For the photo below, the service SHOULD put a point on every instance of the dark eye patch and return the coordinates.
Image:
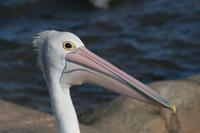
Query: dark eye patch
(68, 45)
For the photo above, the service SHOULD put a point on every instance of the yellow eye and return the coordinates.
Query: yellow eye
(68, 45)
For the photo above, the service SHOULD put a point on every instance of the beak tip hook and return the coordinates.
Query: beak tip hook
(173, 108)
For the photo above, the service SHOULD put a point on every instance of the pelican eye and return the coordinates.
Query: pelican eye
(68, 45)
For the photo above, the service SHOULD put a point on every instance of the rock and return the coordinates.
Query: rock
(100, 3)
(17, 119)
(125, 115)
(195, 78)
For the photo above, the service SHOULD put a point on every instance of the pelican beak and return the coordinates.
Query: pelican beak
(83, 66)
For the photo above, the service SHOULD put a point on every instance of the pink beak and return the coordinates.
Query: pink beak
(90, 68)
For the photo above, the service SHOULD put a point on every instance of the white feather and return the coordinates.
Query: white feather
(48, 45)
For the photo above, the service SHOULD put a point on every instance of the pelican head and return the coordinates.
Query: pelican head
(63, 55)
(65, 62)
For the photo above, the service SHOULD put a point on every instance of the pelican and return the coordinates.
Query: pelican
(65, 62)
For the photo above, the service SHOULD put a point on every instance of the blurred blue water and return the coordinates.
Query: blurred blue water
(151, 40)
